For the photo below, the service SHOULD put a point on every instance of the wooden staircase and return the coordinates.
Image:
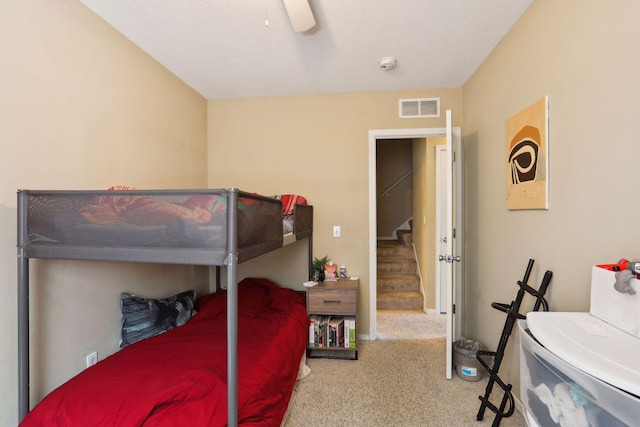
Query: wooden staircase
(398, 283)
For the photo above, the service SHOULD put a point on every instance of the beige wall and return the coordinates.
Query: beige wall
(393, 162)
(583, 56)
(82, 108)
(317, 146)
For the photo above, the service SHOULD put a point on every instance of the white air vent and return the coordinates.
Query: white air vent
(419, 108)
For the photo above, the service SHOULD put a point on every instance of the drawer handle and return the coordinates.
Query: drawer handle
(329, 301)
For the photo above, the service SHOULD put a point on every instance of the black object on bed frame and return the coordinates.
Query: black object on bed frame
(212, 227)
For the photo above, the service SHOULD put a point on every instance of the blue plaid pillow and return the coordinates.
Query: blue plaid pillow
(146, 317)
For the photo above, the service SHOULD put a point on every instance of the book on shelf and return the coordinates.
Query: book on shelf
(352, 332)
(316, 322)
(324, 332)
(332, 331)
(328, 331)
(346, 333)
(336, 326)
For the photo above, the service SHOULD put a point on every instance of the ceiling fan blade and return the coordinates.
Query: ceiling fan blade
(300, 14)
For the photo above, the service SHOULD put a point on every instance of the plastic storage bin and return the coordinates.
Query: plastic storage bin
(464, 358)
(555, 393)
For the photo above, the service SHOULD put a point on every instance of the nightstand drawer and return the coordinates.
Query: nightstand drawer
(331, 301)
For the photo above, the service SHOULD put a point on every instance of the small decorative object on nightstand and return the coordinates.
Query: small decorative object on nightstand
(332, 307)
(317, 268)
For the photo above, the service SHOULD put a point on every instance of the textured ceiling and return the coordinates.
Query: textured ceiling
(223, 49)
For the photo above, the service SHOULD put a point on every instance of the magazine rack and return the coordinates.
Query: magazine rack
(513, 313)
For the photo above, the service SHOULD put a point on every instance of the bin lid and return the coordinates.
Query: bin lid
(591, 345)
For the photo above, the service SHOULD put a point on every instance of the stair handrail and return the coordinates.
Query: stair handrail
(386, 192)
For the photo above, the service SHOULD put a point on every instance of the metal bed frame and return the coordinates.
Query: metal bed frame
(230, 256)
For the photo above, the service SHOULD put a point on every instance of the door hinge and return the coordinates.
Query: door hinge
(453, 309)
(454, 233)
(454, 156)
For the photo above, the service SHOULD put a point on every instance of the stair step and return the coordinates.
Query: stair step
(395, 250)
(399, 266)
(405, 236)
(398, 283)
(400, 301)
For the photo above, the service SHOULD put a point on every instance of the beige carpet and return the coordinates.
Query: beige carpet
(394, 383)
(409, 324)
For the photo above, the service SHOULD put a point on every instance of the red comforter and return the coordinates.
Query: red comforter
(179, 378)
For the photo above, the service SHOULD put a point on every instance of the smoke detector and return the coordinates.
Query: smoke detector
(387, 63)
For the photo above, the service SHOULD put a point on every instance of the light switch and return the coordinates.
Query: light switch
(336, 231)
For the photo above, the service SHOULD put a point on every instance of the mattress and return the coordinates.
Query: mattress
(182, 374)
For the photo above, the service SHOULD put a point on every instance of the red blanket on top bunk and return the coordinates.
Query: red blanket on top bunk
(179, 378)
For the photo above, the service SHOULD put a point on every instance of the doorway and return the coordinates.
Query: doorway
(374, 136)
(422, 215)
(405, 192)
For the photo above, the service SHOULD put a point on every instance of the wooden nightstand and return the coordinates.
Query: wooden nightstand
(332, 306)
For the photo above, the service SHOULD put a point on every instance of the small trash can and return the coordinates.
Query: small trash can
(464, 358)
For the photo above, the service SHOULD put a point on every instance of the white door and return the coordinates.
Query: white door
(442, 280)
(450, 261)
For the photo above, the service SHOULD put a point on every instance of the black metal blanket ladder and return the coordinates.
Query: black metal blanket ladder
(513, 312)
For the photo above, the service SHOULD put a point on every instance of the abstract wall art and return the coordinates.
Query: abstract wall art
(527, 160)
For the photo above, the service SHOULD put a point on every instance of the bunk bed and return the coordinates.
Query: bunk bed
(213, 227)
